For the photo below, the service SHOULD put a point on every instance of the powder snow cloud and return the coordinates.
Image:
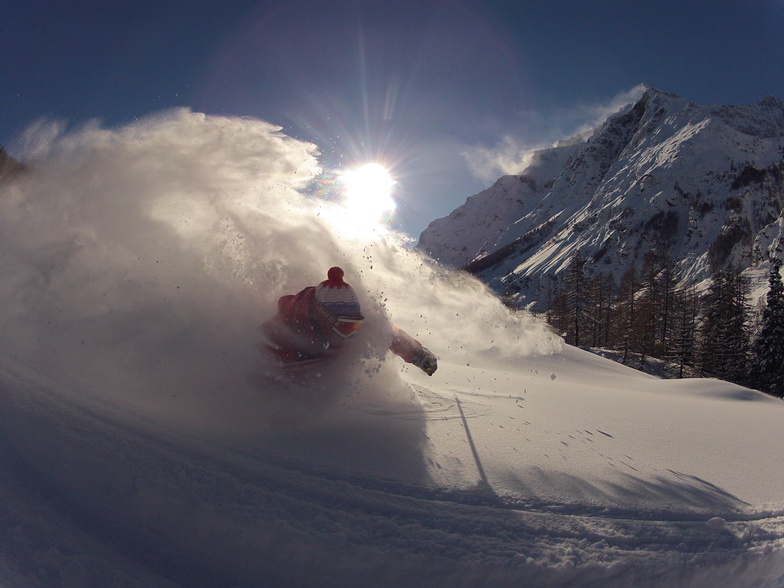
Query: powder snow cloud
(142, 258)
(512, 153)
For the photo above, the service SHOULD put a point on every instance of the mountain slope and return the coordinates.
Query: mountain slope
(703, 184)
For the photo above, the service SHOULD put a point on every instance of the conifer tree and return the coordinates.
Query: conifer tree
(558, 314)
(575, 288)
(601, 290)
(649, 308)
(684, 329)
(627, 315)
(767, 373)
(724, 333)
(669, 276)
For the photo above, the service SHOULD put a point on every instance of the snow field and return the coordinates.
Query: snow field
(363, 496)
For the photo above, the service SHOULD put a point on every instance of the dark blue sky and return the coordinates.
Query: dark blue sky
(411, 83)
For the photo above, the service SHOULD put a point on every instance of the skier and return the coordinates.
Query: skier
(319, 320)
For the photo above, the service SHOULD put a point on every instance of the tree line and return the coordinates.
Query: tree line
(648, 315)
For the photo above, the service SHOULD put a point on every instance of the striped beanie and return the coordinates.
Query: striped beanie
(338, 297)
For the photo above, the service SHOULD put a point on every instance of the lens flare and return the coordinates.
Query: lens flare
(368, 192)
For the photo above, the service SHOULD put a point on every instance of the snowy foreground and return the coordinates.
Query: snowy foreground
(565, 469)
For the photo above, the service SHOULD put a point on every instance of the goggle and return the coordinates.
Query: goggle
(346, 327)
(343, 326)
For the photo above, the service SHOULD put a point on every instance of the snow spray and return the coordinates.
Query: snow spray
(139, 260)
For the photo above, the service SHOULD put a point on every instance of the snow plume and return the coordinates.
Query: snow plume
(138, 262)
(513, 153)
(509, 156)
(450, 312)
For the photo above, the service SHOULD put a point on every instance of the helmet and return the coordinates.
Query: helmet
(338, 303)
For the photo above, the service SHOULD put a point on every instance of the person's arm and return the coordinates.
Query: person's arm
(294, 309)
(412, 351)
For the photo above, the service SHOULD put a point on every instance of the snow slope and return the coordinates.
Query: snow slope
(146, 441)
(557, 470)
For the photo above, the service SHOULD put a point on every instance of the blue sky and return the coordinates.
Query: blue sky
(417, 85)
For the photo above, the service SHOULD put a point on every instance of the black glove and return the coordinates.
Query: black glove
(425, 361)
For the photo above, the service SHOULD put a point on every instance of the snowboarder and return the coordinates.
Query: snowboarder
(317, 321)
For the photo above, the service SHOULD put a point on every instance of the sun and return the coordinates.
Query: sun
(368, 191)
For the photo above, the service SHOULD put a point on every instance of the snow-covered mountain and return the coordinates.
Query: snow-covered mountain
(702, 183)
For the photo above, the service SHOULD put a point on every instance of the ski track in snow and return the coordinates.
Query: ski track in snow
(197, 511)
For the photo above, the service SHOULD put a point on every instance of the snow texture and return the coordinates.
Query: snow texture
(147, 442)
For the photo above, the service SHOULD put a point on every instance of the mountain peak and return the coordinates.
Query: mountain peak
(703, 184)
(771, 102)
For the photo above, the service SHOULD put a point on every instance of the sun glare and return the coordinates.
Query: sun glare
(368, 191)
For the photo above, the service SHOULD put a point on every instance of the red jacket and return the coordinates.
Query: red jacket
(299, 312)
